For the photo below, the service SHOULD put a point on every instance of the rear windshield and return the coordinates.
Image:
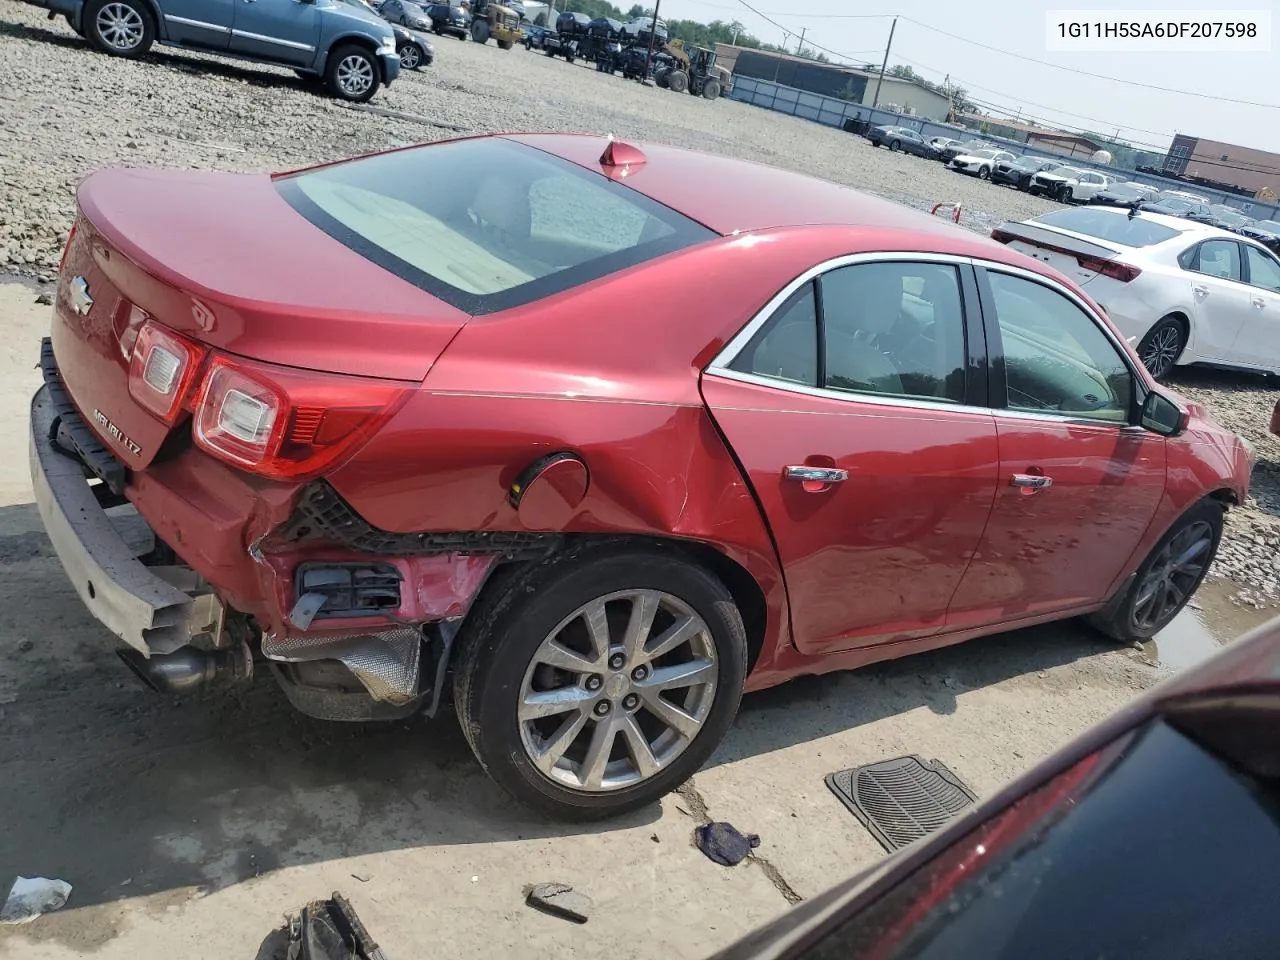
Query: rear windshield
(487, 224)
(1109, 225)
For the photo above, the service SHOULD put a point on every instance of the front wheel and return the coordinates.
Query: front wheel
(504, 44)
(1066, 195)
(894, 146)
(595, 685)
(711, 89)
(678, 81)
(410, 56)
(1162, 346)
(121, 28)
(1167, 578)
(351, 74)
(984, 173)
(480, 31)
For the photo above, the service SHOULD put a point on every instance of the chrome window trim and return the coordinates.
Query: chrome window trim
(719, 366)
(868, 399)
(729, 352)
(196, 23)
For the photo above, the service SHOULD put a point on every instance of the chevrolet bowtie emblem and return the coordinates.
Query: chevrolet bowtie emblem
(81, 302)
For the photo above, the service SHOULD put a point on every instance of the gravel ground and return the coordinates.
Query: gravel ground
(67, 111)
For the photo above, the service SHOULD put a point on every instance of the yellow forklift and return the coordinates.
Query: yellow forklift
(496, 21)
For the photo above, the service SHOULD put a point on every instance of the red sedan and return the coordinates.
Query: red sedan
(595, 436)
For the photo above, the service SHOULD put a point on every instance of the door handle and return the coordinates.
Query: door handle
(1199, 291)
(1027, 481)
(816, 474)
(1259, 303)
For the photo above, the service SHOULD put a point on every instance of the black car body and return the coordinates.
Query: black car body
(1019, 171)
(414, 48)
(1266, 232)
(406, 13)
(968, 146)
(901, 138)
(1173, 207)
(1154, 835)
(570, 31)
(1122, 195)
(449, 18)
(1219, 215)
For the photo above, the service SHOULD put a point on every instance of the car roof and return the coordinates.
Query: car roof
(730, 195)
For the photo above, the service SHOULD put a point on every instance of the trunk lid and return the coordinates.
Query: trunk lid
(223, 260)
(1073, 255)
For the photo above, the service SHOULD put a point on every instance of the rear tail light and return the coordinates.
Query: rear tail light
(1109, 268)
(287, 424)
(162, 369)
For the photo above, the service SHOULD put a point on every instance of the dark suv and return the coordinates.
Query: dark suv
(449, 18)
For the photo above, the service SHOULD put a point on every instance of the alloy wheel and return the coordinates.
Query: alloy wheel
(355, 75)
(409, 57)
(618, 690)
(120, 26)
(1173, 576)
(1160, 352)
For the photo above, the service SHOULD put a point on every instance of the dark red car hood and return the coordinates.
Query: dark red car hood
(222, 258)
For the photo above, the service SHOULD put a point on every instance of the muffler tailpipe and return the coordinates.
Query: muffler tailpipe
(188, 669)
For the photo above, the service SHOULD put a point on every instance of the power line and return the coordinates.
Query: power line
(1019, 56)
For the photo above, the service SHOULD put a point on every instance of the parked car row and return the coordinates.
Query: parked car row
(353, 47)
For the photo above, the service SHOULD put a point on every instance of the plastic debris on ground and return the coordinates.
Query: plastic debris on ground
(29, 897)
(330, 930)
(723, 843)
(560, 900)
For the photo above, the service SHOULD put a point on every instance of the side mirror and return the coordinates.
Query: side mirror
(1161, 415)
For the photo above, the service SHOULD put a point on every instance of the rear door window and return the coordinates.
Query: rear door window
(1264, 271)
(1218, 258)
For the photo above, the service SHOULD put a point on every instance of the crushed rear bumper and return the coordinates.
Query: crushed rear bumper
(149, 608)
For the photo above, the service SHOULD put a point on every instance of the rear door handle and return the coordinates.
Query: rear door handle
(816, 474)
(1027, 481)
(1199, 291)
(1259, 302)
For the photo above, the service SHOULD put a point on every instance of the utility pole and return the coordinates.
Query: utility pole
(885, 63)
(800, 45)
(653, 34)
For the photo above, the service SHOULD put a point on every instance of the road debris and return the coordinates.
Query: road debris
(330, 930)
(560, 900)
(723, 843)
(29, 897)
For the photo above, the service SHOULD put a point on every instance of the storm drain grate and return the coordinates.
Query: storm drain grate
(901, 800)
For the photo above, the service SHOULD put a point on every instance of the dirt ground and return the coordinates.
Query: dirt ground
(188, 829)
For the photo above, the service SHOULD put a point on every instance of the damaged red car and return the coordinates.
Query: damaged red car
(590, 437)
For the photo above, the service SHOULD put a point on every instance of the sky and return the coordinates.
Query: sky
(1056, 97)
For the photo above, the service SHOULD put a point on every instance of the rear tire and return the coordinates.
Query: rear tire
(480, 31)
(501, 666)
(678, 81)
(119, 28)
(1167, 578)
(504, 44)
(984, 173)
(351, 74)
(894, 146)
(1162, 346)
(711, 89)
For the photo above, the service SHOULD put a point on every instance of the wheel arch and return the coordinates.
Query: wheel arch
(353, 39)
(748, 595)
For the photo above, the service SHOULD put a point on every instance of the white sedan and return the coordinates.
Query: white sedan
(1069, 184)
(1180, 292)
(980, 162)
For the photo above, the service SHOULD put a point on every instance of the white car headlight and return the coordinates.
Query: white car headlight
(388, 46)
